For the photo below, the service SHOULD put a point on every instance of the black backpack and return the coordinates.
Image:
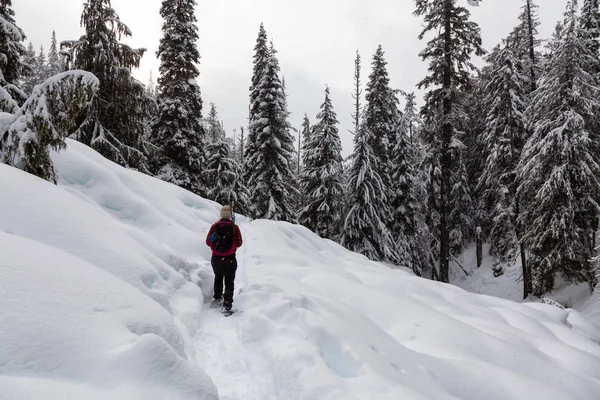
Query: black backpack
(224, 237)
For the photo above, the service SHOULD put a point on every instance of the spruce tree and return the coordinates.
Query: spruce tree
(270, 149)
(54, 109)
(178, 128)
(261, 57)
(115, 124)
(40, 71)
(55, 66)
(13, 65)
(461, 203)
(449, 52)
(215, 130)
(504, 136)
(524, 43)
(151, 87)
(321, 181)
(357, 93)
(381, 115)
(589, 32)
(404, 202)
(30, 59)
(364, 231)
(222, 172)
(558, 172)
(305, 134)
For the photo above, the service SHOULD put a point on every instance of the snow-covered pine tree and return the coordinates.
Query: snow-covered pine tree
(215, 130)
(357, 93)
(241, 146)
(261, 57)
(503, 137)
(151, 87)
(449, 52)
(178, 128)
(28, 82)
(460, 217)
(476, 111)
(364, 231)
(558, 173)
(425, 244)
(115, 124)
(40, 70)
(381, 116)
(222, 176)
(589, 32)
(55, 65)
(13, 65)
(524, 42)
(410, 119)
(404, 201)
(321, 181)
(269, 161)
(305, 134)
(54, 109)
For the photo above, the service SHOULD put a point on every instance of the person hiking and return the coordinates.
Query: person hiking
(224, 238)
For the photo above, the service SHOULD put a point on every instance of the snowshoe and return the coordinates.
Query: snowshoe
(216, 303)
(227, 309)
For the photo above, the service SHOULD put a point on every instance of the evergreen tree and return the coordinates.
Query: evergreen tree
(558, 172)
(13, 66)
(381, 115)
(322, 180)
(215, 130)
(589, 32)
(151, 88)
(357, 93)
(55, 66)
(40, 71)
(364, 231)
(261, 57)
(524, 43)
(222, 172)
(461, 203)
(410, 118)
(405, 204)
(115, 124)
(270, 149)
(449, 54)
(305, 134)
(178, 129)
(241, 146)
(54, 109)
(503, 138)
(30, 59)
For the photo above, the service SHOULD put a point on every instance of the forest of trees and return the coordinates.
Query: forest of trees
(509, 152)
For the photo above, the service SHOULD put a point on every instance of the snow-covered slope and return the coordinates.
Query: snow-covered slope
(103, 280)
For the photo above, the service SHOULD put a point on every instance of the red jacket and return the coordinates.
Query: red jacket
(237, 238)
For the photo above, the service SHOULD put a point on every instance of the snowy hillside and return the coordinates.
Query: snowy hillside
(103, 281)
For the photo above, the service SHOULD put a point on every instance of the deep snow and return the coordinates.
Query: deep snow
(104, 279)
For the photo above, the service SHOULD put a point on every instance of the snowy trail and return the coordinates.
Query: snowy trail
(237, 371)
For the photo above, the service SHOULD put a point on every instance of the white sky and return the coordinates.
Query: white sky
(316, 42)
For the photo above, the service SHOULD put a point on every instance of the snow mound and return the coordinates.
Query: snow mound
(104, 280)
(65, 322)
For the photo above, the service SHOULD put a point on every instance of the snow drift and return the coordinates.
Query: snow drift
(104, 279)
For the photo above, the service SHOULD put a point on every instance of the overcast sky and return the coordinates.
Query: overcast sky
(316, 42)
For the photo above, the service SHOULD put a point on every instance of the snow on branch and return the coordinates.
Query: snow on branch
(54, 109)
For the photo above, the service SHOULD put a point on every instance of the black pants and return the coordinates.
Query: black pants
(224, 269)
